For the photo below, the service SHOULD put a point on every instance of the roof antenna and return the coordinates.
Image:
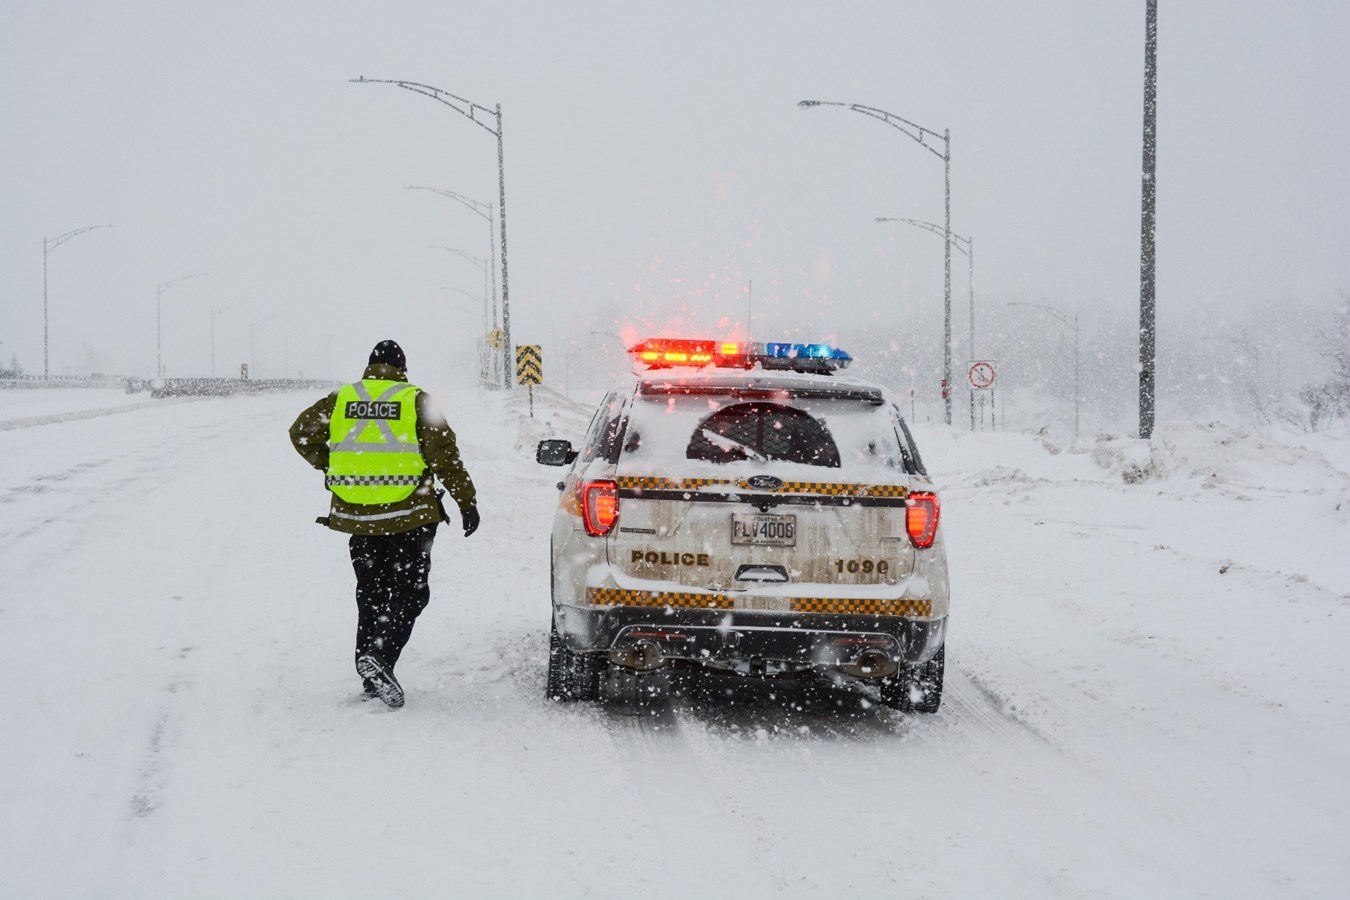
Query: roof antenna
(749, 308)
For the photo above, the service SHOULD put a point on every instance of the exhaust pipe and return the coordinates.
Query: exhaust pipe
(871, 664)
(642, 656)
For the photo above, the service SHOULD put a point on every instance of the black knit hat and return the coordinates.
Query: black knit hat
(389, 353)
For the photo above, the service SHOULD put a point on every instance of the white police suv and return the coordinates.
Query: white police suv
(743, 507)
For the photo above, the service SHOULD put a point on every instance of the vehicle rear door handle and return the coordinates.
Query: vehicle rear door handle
(762, 573)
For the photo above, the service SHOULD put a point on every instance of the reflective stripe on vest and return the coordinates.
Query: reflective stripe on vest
(373, 455)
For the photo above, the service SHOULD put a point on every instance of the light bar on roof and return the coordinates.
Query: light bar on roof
(662, 353)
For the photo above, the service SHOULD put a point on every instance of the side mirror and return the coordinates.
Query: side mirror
(555, 453)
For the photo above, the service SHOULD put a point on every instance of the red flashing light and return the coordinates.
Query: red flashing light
(599, 507)
(921, 518)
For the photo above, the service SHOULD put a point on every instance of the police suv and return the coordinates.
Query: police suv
(743, 507)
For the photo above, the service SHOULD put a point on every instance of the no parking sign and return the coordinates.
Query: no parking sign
(981, 375)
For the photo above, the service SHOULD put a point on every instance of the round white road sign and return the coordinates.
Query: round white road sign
(981, 375)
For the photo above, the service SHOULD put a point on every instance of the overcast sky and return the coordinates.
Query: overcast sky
(656, 162)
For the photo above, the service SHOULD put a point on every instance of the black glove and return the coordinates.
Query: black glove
(469, 515)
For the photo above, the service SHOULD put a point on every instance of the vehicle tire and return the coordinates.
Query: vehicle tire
(916, 688)
(572, 676)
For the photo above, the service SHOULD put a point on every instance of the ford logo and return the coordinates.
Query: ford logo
(764, 482)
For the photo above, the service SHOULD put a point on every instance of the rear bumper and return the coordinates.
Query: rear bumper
(711, 635)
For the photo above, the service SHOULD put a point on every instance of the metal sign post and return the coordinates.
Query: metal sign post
(530, 368)
(981, 377)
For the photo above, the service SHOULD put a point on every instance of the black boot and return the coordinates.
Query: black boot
(382, 679)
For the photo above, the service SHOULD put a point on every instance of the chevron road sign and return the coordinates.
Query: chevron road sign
(529, 364)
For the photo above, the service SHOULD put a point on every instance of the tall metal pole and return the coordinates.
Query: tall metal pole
(492, 256)
(1077, 387)
(215, 314)
(1147, 247)
(952, 239)
(160, 288)
(918, 133)
(1077, 384)
(486, 211)
(947, 273)
(49, 244)
(44, 307)
(469, 110)
(970, 258)
(506, 291)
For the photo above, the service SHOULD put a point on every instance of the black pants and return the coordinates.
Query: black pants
(391, 589)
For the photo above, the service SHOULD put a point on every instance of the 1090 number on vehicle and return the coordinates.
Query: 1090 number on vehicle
(862, 566)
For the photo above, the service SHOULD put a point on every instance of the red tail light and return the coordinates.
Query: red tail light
(921, 518)
(599, 507)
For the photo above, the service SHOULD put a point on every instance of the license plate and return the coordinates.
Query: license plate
(763, 530)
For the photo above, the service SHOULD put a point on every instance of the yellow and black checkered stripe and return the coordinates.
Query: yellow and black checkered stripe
(658, 483)
(677, 599)
(849, 606)
(820, 488)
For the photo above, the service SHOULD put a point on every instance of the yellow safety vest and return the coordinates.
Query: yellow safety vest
(373, 456)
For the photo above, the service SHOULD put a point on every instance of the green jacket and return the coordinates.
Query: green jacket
(310, 435)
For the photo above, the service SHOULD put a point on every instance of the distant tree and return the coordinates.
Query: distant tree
(14, 369)
(1328, 400)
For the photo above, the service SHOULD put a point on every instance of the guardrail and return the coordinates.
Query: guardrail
(172, 387)
(37, 382)
(224, 387)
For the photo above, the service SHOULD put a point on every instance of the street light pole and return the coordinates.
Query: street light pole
(486, 267)
(486, 211)
(486, 367)
(159, 297)
(919, 134)
(48, 245)
(1147, 246)
(969, 251)
(252, 355)
(470, 110)
(215, 314)
(1071, 321)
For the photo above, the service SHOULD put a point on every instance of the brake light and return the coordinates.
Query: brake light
(921, 518)
(599, 507)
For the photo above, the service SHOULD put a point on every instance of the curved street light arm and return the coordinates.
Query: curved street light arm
(1069, 322)
(478, 206)
(52, 243)
(165, 285)
(471, 111)
(470, 294)
(912, 129)
(957, 240)
(220, 310)
(476, 260)
(1044, 308)
(464, 107)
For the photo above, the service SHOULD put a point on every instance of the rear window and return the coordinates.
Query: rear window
(766, 432)
(720, 435)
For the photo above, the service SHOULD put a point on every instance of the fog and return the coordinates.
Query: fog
(661, 178)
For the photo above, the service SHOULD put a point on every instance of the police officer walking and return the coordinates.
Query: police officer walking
(380, 441)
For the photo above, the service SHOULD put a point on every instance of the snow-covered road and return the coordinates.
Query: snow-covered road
(1147, 686)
